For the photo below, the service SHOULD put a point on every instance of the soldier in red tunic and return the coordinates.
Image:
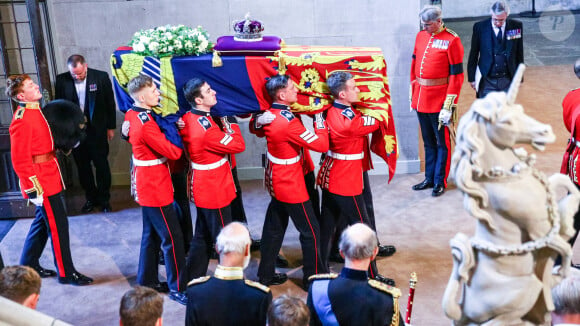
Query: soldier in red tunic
(287, 140)
(341, 173)
(153, 190)
(436, 78)
(570, 164)
(212, 186)
(34, 161)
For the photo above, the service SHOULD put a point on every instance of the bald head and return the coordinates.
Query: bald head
(358, 242)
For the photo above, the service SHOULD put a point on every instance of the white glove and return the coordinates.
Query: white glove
(266, 118)
(319, 121)
(125, 128)
(180, 124)
(36, 201)
(444, 117)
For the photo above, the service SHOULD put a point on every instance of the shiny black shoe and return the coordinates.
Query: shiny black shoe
(160, 287)
(438, 190)
(179, 297)
(88, 207)
(577, 266)
(277, 279)
(281, 262)
(256, 243)
(336, 257)
(425, 184)
(384, 279)
(43, 272)
(75, 278)
(106, 207)
(386, 250)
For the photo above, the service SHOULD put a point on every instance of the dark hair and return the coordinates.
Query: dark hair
(577, 68)
(276, 83)
(336, 82)
(18, 282)
(138, 83)
(192, 90)
(141, 306)
(75, 60)
(288, 311)
(14, 85)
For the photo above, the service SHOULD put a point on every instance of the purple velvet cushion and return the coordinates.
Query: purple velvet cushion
(226, 45)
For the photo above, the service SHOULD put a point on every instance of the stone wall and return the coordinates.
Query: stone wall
(97, 28)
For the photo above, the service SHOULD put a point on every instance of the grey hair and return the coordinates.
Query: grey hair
(499, 7)
(430, 13)
(358, 241)
(566, 295)
(230, 239)
(287, 310)
(336, 82)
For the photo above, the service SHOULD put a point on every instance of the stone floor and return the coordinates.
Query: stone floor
(106, 246)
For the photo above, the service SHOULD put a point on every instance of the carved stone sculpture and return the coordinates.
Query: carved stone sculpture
(503, 274)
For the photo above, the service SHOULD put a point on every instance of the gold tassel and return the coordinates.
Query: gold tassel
(282, 65)
(216, 61)
(282, 43)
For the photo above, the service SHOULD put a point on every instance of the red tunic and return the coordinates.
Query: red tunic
(571, 115)
(348, 130)
(30, 136)
(287, 139)
(436, 56)
(211, 182)
(152, 183)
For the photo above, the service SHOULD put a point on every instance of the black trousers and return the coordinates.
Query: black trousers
(310, 181)
(237, 205)
(182, 208)
(93, 151)
(437, 146)
(342, 223)
(161, 228)
(493, 84)
(50, 220)
(208, 225)
(273, 232)
(334, 209)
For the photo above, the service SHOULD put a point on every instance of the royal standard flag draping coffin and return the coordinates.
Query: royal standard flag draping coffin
(240, 81)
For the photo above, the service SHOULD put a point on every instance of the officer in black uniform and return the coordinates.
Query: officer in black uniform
(351, 298)
(226, 298)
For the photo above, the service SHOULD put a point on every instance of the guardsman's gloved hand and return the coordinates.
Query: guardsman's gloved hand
(444, 117)
(319, 121)
(125, 129)
(37, 201)
(265, 118)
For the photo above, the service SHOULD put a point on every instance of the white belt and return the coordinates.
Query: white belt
(210, 166)
(346, 157)
(156, 161)
(283, 161)
(576, 142)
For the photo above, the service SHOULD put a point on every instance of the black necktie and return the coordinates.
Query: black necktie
(499, 36)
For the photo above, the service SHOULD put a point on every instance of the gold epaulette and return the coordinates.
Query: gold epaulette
(198, 280)
(328, 276)
(257, 285)
(395, 292)
(19, 114)
(452, 32)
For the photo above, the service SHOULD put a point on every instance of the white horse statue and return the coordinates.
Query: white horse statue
(503, 274)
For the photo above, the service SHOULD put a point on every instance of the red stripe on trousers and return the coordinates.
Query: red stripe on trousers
(54, 236)
(315, 246)
(172, 247)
